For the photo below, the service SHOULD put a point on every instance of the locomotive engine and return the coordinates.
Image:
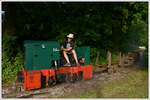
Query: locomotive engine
(43, 65)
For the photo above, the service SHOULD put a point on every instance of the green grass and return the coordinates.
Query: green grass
(133, 86)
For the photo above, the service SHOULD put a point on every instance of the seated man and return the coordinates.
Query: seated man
(67, 47)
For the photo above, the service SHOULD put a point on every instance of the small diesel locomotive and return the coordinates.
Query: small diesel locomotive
(43, 65)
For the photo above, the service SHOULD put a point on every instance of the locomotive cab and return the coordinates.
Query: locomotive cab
(83, 55)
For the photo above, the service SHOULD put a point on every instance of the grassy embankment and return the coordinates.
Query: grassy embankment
(133, 86)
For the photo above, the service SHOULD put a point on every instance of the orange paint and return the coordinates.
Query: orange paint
(32, 79)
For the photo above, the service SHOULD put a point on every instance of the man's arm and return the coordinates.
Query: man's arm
(66, 49)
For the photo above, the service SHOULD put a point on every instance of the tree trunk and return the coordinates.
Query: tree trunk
(123, 59)
(120, 59)
(109, 58)
(9, 24)
(97, 58)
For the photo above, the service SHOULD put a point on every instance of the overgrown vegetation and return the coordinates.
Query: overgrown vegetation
(12, 58)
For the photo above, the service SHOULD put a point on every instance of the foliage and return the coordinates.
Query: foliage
(105, 26)
(12, 59)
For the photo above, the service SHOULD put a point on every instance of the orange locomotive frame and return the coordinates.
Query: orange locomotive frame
(32, 79)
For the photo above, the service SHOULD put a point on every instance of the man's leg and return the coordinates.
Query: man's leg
(66, 56)
(75, 56)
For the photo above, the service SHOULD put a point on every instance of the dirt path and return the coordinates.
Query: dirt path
(68, 89)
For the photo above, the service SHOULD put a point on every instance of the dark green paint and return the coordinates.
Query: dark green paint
(40, 54)
(84, 52)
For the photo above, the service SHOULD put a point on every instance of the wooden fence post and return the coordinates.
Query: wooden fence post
(97, 58)
(120, 59)
(109, 58)
(110, 67)
(123, 59)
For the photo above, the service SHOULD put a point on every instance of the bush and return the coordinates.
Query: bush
(12, 58)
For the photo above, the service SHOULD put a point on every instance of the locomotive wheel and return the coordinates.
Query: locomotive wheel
(60, 78)
(74, 78)
(51, 81)
(80, 75)
(68, 78)
(43, 81)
